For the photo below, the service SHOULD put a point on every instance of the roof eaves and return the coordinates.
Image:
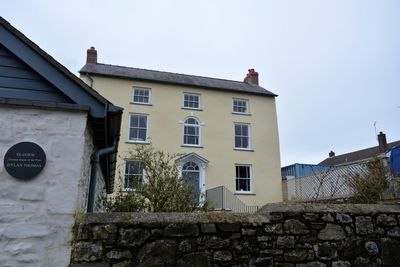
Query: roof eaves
(266, 94)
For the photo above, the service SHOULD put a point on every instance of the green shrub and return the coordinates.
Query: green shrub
(162, 190)
(370, 186)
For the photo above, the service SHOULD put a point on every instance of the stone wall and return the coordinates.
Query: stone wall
(37, 216)
(279, 235)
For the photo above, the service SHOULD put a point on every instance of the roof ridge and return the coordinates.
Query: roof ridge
(168, 72)
(372, 147)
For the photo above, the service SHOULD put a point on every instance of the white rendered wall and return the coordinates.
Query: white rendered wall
(36, 216)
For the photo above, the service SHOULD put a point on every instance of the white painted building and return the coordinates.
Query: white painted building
(42, 103)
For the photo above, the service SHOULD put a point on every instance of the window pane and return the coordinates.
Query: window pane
(245, 130)
(245, 142)
(238, 129)
(133, 134)
(191, 130)
(191, 140)
(238, 142)
(142, 135)
(134, 121)
(143, 121)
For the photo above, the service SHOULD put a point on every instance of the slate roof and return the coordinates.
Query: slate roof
(356, 156)
(174, 78)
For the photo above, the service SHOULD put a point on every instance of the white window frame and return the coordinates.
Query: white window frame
(191, 94)
(241, 136)
(240, 99)
(250, 191)
(143, 89)
(191, 125)
(147, 128)
(124, 188)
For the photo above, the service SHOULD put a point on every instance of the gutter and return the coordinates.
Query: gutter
(93, 173)
(96, 160)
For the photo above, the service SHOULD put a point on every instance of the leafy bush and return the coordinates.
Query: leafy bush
(369, 187)
(162, 190)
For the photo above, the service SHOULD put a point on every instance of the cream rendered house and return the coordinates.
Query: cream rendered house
(226, 130)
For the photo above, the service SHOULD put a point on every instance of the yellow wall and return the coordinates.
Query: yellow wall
(217, 133)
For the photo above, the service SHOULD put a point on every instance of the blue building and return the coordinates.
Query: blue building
(299, 169)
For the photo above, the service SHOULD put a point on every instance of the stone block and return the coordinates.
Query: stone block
(273, 228)
(293, 226)
(107, 231)
(133, 237)
(264, 238)
(249, 232)
(394, 232)
(185, 246)
(223, 256)
(208, 228)
(286, 242)
(295, 255)
(364, 225)
(214, 242)
(312, 217)
(158, 253)
(328, 218)
(87, 251)
(372, 248)
(343, 218)
(332, 232)
(326, 251)
(386, 220)
(116, 254)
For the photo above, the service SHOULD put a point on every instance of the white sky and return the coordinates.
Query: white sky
(335, 64)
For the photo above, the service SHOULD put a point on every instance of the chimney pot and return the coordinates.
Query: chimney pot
(91, 57)
(251, 77)
(331, 154)
(382, 142)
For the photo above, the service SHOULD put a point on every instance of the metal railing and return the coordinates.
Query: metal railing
(220, 198)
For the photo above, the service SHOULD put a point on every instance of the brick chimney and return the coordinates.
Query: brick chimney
(382, 142)
(251, 77)
(331, 154)
(91, 57)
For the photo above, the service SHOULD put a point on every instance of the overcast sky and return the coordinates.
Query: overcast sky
(335, 64)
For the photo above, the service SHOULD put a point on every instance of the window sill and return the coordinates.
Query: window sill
(142, 104)
(198, 109)
(137, 142)
(194, 146)
(238, 113)
(244, 193)
(244, 149)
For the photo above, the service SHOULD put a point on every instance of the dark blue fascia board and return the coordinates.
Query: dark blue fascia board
(51, 73)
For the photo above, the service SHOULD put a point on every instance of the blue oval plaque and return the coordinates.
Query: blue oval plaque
(24, 160)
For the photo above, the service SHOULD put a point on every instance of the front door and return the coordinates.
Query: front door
(191, 176)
